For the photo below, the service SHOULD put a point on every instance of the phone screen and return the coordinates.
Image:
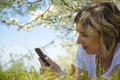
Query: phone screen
(40, 53)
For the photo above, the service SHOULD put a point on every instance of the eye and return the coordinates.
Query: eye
(85, 35)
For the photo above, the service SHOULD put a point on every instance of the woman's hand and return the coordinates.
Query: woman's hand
(53, 67)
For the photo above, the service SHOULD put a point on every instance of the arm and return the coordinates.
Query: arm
(53, 67)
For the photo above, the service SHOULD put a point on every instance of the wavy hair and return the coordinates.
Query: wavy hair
(101, 20)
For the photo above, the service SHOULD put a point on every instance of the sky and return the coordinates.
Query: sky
(20, 42)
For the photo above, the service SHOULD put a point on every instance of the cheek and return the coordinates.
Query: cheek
(92, 50)
(93, 47)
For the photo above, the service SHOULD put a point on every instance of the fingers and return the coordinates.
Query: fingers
(52, 65)
(47, 59)
(53, 68)
(41, 62)
(50, 61)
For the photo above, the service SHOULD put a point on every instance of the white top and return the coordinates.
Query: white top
(87, 62)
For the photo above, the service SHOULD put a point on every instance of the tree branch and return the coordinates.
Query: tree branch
(35, 18)
(66, 4)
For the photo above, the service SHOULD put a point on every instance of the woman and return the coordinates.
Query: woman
(98, 54)
(99, 36)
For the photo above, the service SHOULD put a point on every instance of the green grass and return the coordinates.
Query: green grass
(33, 75)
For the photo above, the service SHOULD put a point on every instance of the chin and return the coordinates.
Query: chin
(90, 53)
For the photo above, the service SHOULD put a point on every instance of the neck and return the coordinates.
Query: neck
(109, 54)
(107, 60)
(108, 57)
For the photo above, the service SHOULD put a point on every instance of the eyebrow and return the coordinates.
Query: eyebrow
(81, 32)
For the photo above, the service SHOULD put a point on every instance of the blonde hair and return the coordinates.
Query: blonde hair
(101, 20)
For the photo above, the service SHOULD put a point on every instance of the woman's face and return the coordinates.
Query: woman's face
(90, 45)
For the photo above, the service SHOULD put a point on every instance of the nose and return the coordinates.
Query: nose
(80, 40)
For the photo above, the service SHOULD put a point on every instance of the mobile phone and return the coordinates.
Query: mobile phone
(41, 55)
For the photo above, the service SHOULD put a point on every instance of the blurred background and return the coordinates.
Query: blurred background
(45, 24)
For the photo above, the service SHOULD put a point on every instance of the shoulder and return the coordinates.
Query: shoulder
(118, 48)
(116, 58)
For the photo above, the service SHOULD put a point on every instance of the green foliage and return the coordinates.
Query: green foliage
(14, 73)
(16, 66)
